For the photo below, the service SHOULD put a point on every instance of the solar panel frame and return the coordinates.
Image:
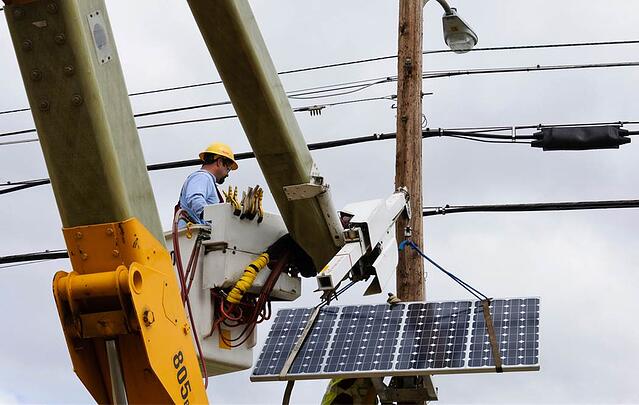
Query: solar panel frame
(465, 338)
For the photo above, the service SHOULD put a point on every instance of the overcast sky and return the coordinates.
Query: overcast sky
(582, 264)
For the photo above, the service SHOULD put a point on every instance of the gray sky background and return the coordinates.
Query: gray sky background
(582, 264)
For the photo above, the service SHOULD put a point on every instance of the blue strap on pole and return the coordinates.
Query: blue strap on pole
(480, 296)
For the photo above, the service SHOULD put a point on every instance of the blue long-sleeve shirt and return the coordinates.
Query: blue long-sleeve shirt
(199, 190)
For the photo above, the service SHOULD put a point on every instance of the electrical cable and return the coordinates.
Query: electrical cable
(29, 258)
(425, 75)
(428, 133)
(25, 263)
(532, 207)
(376, 59)
(206, 119)
(537, 68)
(19, 142)
(356, 86)
(478, 294)
(35, 256)
(468, 138)
(15, 111)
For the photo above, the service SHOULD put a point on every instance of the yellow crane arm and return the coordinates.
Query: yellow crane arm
(123, 287)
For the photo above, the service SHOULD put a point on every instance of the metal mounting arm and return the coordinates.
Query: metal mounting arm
(371, 247)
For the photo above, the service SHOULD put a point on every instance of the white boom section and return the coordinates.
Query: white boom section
(371, 247)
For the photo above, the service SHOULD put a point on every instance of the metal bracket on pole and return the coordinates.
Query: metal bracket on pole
(417, 390)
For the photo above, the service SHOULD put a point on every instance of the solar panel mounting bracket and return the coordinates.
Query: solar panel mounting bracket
(490, 328)
(300, 341)
(424, 390)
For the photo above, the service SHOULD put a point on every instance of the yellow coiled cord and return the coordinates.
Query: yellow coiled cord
(246, 281)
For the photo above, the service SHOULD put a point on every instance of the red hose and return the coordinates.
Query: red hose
(185, 298)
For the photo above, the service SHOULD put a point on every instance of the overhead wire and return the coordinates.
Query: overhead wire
(531, 207)
(426, 133)
(206, 119)
(19, 142)
(381, 58)
(349, 88)
(469, 138)
(24, 263)
(48, 255)
(35, 256)
(519, 69)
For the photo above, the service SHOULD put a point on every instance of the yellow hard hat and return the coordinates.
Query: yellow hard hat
(220, 149)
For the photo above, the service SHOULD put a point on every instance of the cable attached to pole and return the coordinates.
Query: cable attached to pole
(485, 302)
(476, 293)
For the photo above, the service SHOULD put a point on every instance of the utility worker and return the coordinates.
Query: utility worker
(200, 187)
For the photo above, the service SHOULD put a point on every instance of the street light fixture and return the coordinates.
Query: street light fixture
(459, 37)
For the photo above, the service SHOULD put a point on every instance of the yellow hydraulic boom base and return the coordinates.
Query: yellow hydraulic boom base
(124, 288)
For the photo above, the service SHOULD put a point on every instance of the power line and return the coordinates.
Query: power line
(23, 264)
(240, 156)
(474, 50)
(29, 258)
(375, 59)
(35, 256)
(14, 111)
(350, 87)
(19, 142)
(427, 133)
(314, 109)
(532, 207)
(537, 68)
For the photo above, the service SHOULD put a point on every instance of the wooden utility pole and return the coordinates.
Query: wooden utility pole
(408, 165)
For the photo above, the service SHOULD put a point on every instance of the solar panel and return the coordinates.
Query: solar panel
(403, 339)
(365, 339)
(516, 324)
(435, 336)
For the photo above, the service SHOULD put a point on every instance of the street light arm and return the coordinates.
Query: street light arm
(447, 9)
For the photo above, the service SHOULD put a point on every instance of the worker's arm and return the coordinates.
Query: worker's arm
(198, 191)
